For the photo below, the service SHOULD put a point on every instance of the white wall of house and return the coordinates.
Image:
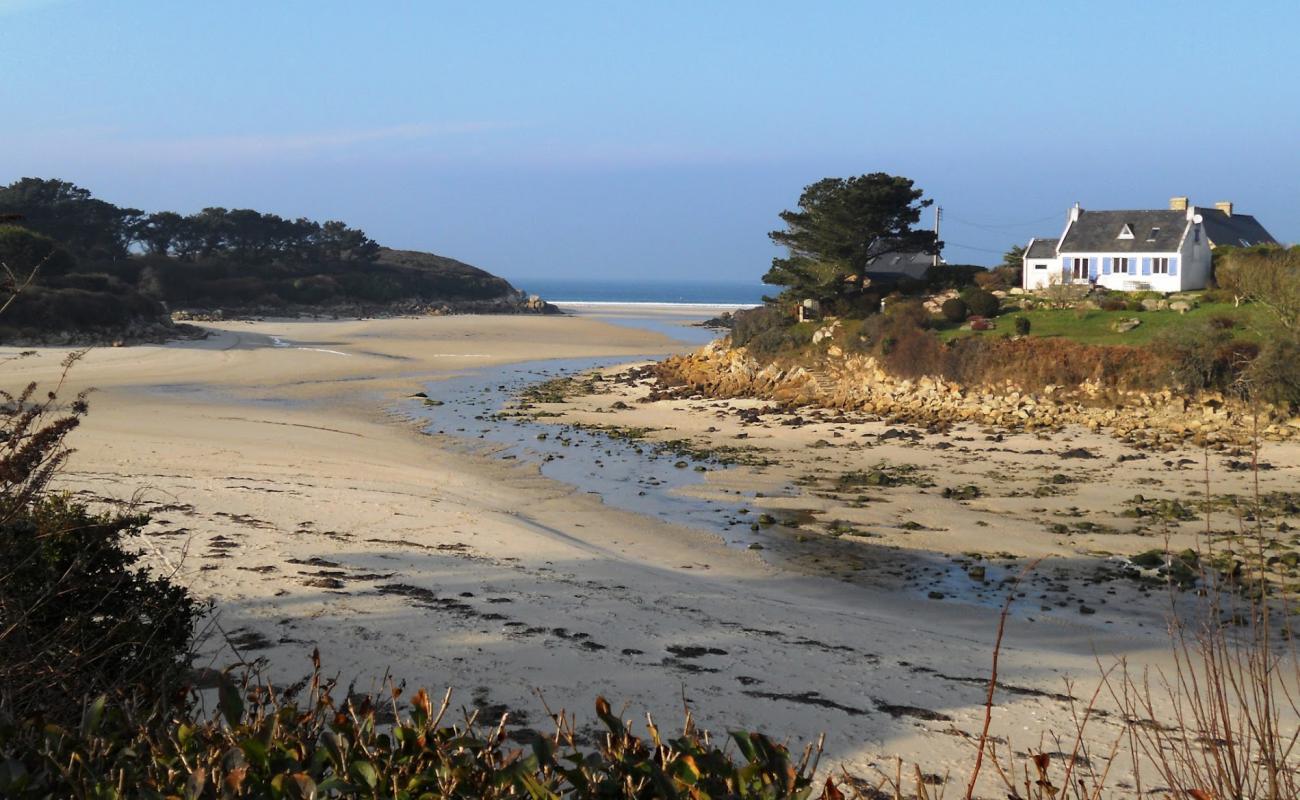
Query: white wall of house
(1037, 272)
(1196, 255)
(1190, 270)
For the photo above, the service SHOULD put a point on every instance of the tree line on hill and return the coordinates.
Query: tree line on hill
(102, 267)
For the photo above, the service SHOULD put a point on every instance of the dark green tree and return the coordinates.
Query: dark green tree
(1014, 259)
(840, 226)
(158, 232)
(92, 229)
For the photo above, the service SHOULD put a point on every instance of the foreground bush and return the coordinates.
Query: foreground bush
(78, 616)
(267, 744)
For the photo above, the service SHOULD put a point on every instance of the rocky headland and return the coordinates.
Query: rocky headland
(838, 380)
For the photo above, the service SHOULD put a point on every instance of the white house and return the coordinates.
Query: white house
(1162, 251)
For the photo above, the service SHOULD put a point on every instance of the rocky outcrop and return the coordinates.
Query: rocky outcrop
(858, 383)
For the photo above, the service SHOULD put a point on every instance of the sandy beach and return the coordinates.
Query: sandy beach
(290, 481)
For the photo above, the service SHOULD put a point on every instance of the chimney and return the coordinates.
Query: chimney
(1178, 204)
(1075, 211)
(1225, 207)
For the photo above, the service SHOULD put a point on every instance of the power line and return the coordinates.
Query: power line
(973, 247)
(1000, 226)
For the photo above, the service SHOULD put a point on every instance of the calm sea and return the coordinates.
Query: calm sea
(656, 292)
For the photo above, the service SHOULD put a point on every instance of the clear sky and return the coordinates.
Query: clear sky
(653, 139)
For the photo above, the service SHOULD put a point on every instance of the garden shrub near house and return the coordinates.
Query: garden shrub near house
(980, 302)
(1022, 326)
(954, 310)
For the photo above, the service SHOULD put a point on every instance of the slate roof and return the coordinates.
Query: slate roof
(1235, 231)
(1098, 231)
(1044, 247)
(900, 265)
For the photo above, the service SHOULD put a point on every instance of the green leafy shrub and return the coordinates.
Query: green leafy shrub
(302, 743)
(980, 302)
(1113, 304)
(748, 323)
(1022, 326)
(767, 331)
(1134, 305)
(79, 618)
(954, 310)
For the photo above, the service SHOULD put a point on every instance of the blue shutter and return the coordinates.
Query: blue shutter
(1173, 266)
(1065, 269)
(1105, 266)
(1092, 268)
(1146, 266)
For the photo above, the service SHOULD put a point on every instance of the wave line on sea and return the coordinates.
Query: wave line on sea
(647, 304)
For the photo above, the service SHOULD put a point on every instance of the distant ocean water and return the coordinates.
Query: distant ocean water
(656, 292)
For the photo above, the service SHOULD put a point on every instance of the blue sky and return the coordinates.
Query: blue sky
(635, 140)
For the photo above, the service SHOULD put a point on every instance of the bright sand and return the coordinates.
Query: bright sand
(286, 485)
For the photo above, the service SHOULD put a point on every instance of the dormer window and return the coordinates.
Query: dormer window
(1126, 232)
(1154, 233)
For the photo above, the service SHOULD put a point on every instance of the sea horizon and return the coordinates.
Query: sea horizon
(657, 293)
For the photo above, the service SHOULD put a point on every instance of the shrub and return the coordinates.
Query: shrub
(1022, 326)
(1002, 277)
(1223, 322)
(1135, 305)
(79, 618)
(280, 744)
(954, 310)
(1275, 375)
(749, 323)
(1113, 304)
(907, 313)
(1218, 296)
(980, 302)
(952, 276)
(912, 352)
(1202, 356)
(980, 324)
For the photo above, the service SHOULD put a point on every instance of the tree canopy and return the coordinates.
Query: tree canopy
(839, 227)
(102, 266)
(1267, 275)
(95, 230)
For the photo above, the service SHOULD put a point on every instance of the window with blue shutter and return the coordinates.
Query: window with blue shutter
(1173, 266)
(1146, 266)
(1092, 268)
(1105, 266)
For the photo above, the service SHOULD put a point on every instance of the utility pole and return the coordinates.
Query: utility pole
(938, 215)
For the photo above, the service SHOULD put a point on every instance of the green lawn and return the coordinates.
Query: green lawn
(1094, 327)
